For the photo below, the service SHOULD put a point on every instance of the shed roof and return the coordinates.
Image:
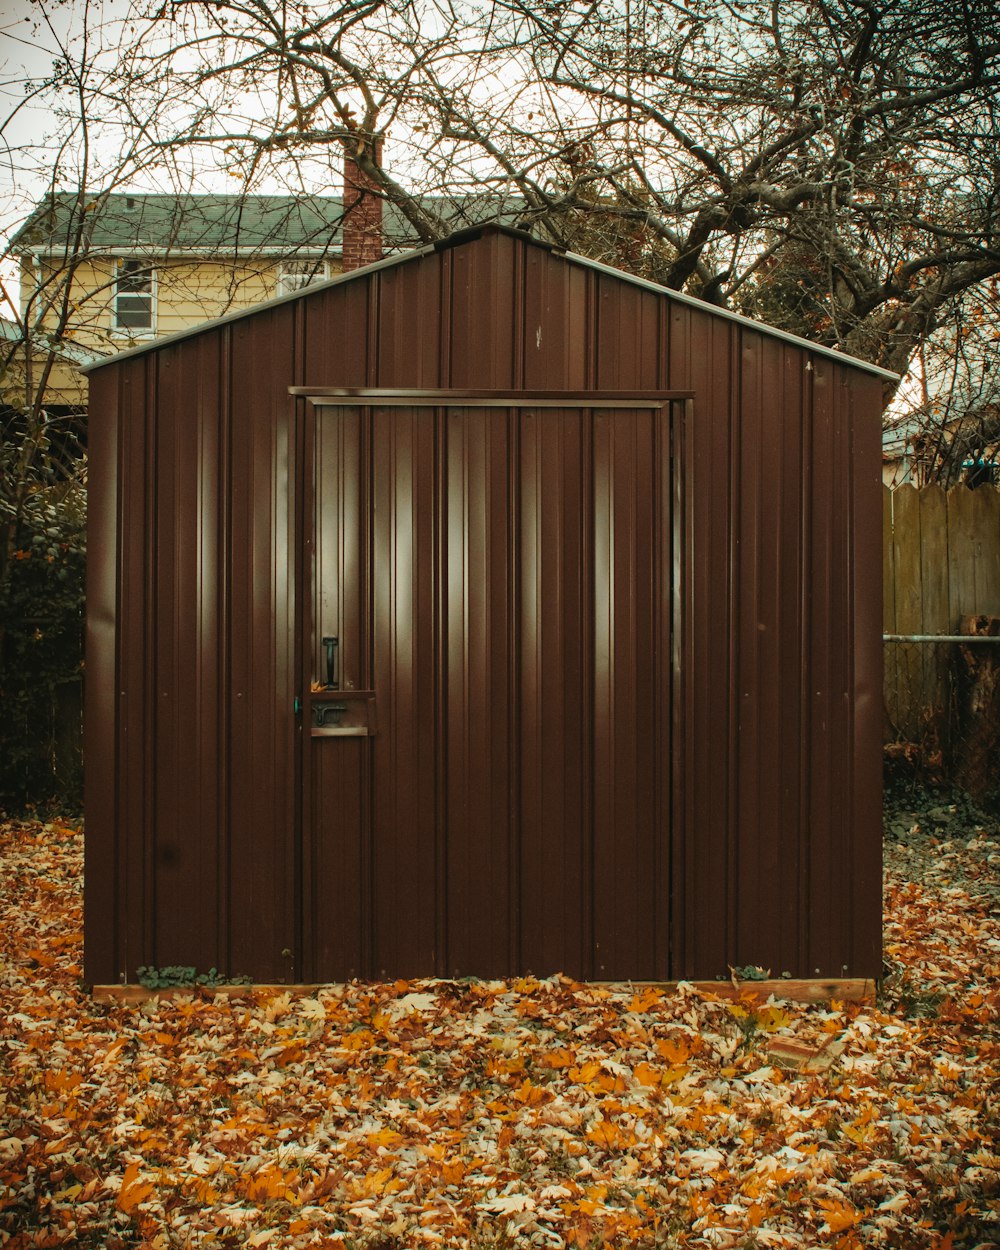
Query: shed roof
(462, 237)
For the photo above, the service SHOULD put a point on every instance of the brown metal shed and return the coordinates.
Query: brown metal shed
(481, 611)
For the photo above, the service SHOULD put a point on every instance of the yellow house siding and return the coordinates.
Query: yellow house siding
(187, 292)
(66, 386)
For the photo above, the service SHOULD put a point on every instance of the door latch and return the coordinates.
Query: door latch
(331, 644)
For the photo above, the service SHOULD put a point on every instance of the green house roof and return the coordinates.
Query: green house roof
(220, 224)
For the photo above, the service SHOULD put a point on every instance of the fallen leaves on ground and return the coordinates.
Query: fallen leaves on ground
(491, 1114)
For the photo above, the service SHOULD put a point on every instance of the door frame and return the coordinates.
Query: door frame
(676, 408)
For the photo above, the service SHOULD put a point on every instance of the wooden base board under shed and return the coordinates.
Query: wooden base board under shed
(855, 990)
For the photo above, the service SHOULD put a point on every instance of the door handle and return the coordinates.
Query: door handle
(331, 644)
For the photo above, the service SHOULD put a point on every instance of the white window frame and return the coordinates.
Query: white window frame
(133, 331)
(298, 273)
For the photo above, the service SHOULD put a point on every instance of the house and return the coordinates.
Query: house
(107, 271)
(484, 610)
(100, 273)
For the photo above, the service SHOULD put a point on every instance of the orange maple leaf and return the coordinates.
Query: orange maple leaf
(133, 1191)
(649, 997)
(584, 1073)
(561, 1058)
(607, 1135)
(453, 1172)
(530, 1095)
(840, 1215)
(675, 1049)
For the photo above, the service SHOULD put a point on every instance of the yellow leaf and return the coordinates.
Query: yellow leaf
(361, 1040)
(770, 1019)
(64, 1082)
(376, 1182)
(610, 1084)
(593, 1200)
(205, 1193)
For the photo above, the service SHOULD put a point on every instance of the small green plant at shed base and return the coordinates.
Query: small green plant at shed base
(751, 972)
(176, 975)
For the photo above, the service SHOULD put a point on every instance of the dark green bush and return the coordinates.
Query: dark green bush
(41, 649)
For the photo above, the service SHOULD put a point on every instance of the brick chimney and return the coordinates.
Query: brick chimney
(362, 228)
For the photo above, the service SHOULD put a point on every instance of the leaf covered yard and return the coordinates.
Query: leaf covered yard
(493, 1114)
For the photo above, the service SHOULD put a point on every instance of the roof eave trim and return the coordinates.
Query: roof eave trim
(221, 254)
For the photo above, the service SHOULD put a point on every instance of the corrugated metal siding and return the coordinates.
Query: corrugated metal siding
(194, 793)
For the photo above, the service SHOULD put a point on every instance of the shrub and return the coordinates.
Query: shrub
(41, 648)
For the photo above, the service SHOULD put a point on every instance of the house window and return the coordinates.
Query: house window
(295, 274)
(135, 295)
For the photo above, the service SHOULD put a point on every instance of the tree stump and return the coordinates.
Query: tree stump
(978, 750)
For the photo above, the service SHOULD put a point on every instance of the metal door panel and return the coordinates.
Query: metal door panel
(499, 580)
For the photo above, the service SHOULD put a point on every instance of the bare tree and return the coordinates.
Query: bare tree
(828, 165)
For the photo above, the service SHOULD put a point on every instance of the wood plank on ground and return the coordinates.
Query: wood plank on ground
(818, 990)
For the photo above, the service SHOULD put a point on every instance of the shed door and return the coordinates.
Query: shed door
(487, 733)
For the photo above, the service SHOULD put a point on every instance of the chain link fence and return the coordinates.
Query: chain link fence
(942, 709)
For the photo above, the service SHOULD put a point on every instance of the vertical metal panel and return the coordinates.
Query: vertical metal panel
(769, 653)
(336, 883)
(477, 645)
(483, 277)
(864, 397)
(406, 658)
(337, 874)
(136, 616)
(336, 334)
(261, 652)
(626, 700)
(554, 649)
(829, 731)
(626, 336)
(557, 348)
(103, 897)
(185, 581)
(410, 305)
(703, 357)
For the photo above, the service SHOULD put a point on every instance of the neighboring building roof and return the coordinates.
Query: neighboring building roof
(11, 332)
(466, 235)
(212, 225)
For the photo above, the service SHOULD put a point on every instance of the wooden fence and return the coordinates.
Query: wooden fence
(941, 557)
(941, 565)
